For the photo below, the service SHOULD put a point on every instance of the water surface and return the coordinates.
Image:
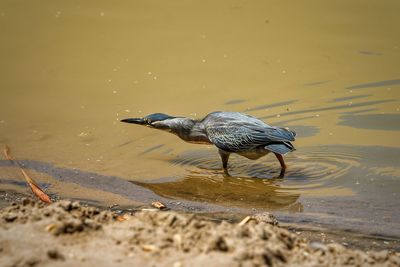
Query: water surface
(329, 70)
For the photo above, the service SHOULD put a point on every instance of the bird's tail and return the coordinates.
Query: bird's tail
(280, 148)
(289, 134)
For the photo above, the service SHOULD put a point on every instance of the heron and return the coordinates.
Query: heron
(230, 132)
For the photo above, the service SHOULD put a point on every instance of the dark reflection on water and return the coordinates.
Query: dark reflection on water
(388, 122)
(316, 83)
(359, 111)
(279, 123)
(375, 84)
(355, 105)
(273, 105)
(13, 182)
(126, 143)
(152, 149)
(370, 53)
(339, 99)
(234, 101)
(167, 151)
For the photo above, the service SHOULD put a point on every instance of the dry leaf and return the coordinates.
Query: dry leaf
(36, 190)
(122, 218)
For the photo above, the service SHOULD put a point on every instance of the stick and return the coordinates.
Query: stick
(36, 190)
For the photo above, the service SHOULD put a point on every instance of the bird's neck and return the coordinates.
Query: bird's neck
(191, 131)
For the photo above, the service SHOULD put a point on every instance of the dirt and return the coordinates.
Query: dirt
(69, 234)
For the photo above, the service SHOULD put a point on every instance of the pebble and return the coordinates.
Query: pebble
(55, 254)
(318, 246)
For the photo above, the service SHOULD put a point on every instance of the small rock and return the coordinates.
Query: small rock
(26, 201)
(265, 217)
(10, 217)
(149, 248)
(54, 254)
(158, 205)
(318, 246)
(219, 244)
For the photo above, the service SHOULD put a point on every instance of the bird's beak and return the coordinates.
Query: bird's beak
(135, 121)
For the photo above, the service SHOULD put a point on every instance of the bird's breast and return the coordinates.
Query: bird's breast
(201, 142)
(254, 153)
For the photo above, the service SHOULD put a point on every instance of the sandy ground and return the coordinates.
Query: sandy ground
(69, 234)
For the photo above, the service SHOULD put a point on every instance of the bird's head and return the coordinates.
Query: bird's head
(156, 120)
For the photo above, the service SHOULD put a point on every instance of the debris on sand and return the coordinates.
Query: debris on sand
(159, 205)
(265, 217)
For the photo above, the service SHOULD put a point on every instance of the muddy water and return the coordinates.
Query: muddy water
(71, 70)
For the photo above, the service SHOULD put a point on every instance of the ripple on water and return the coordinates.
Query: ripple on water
(308, 170)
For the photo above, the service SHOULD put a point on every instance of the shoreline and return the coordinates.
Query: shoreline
(68, 233)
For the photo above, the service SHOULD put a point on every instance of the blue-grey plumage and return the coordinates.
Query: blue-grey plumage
(230, 132)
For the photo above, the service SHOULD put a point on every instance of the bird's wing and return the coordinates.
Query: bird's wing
(240, 136)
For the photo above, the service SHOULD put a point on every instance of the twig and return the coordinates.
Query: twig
(36, 190)
(245, 220)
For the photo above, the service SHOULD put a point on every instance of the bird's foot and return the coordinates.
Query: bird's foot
(226, 173)
(282, 173)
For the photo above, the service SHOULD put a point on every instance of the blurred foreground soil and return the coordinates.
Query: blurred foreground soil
(67, 233)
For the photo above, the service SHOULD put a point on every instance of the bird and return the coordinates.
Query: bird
(230, 132)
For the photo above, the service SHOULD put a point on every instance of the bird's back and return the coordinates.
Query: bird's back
(237, 132)
(225, 117)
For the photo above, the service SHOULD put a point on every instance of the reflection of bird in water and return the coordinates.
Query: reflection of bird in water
(230, 132)
(229, 191)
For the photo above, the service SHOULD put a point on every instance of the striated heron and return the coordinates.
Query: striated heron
(230, 132)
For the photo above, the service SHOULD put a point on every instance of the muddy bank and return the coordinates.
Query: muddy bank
(69, 234)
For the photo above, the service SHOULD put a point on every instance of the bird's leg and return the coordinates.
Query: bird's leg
(225, 157)
(283, 165)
